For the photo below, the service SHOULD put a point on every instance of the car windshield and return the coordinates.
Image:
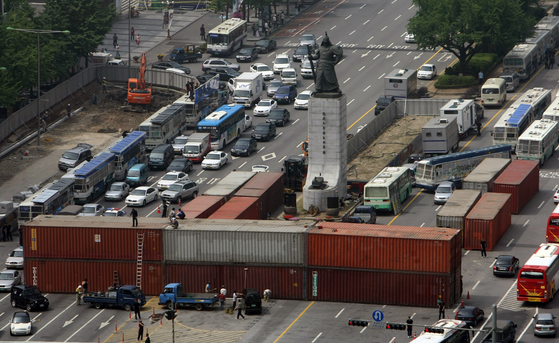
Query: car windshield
(288, 74)
(276, 114)
(175, 65)
(212, 157)
(507, 78)
(245, 51)
(88, 209)
(110, 214)
(282, 90)
(133, 173)
(304, 97)
(306, 64)
(384, 101)
(262, 128)
(265, 103)
(32, 291)
(281, 60)
(275, 83)
(444, 189)
(426, 68)
(181, 140)
(503, 261)
(301, 50)
(527, 274)
(116, 188)
(242, 144)
(6, 276)
(17, 253)
(170, 177)
(241, 93)
(155, 156)
(70, 155)
(262, 43)
(544, 322)
(466, 311)
(175, 188)
(21, 318)
(177, 164)
(140, 192)
(263, 68)
(307, 38)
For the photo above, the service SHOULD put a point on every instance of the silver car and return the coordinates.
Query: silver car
(544, 324)
(182, 189)
(9, 278)
(92, 210)
(273, 87)
(214, 63)
(117, 192)
(443, 192)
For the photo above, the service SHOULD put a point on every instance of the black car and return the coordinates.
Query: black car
(169, 64)
(28, 297)
(278, 116)
(264, 132)
(180, 164)
(383, 102)
(265, 45)
(225, 74)
(301, 52)
(247, 55)
(204, 78)
(505, 265)
(244, 146)
(470, 314)
(253, 301)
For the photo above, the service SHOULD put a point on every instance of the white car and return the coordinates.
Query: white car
(170, 178)
(92, 210)
(260, 168)
(9, 278)
(556, 197)
(114, 212)
(214, 160)
(427, 72)
(410, 38)
(302, 100)
(117, 192)
(15, 258)
(248, 121)
(20, 324)
(308, 39)
(179, 143)
(142, 196)
(175, 70)
(282, 61)
(264, 107)
(267, 72)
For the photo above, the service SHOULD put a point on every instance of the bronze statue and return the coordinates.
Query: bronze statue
(328, 56)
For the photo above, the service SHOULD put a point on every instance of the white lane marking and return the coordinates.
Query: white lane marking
(314, 340)
(403, 34)
(395, 64)
(53, 319)
(279, 134)
(312, 84)
(383, 306)
(103, 324)
(281, 160)
(418, 56)
(9, 294)
(340, 42)
(68, 322)
(467, 252)
(295, 121)
(393, 340)
(333, 27)
(393, 2)
(527, 326)
(438, 208)
(241, 165)
(374, 58)
(555, 188)
(366, 54)
(369, 86)
(271, 54)
(512, 240)
(363, 329)
(384, 28)
(261, 148)
(365, 23)
(349, 16)
(352, 32)
(422, 225)
(349, 78)
(379, 12)
(341, 61)
(298, 145)
(352, 100)
(409, 8)
(390, 45)
(398, 17)
(477, 283)
(363, 67)
(408, 53)
(339, 312)
(380, 77)
(370, 38)
(543, 202)
(84, 325)
(155, 209)
(354, 51)
(492, 264)
(199, 173)
(413, 315)
(362, 6)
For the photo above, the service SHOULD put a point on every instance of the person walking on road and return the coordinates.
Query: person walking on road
(20, 230)
(9, 232)
(208, 287)
(137, 314)
(254, 30)
(79, 292)
(240, 308)
(132, 33)
(441, 309)
(235, 295)
(480, 77)
(164, 210)
(134, 215)
(137, 40)
(203, 33)
(483, 246)
(140, 331)
(117, 54)
(409, 326)
(282, 17)
(478, 125)
(223, 290)
(104, 83)
(85, 286)
(4, 233)
(221, 300)
(147, 338)
(115, 40)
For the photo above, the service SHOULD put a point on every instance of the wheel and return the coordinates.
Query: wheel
(199, 307)
(127, 307)
(156, 197)
(98, 305)
(144, 203)
(194, 195)
(169, 304)
(28, 307)
(14, 303)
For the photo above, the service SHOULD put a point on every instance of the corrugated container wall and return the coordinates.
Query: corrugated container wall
(285, 282)
(230, 184)
(490, 219)
(202, 206)
(268, 187)
(454, 211)
(380, 287)
(381, 247)
(63, 276)
(239, 241)
(240, 208)
(484, 175)
(521, 180)
(97, 238)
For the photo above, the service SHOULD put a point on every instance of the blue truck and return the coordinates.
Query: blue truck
(122, 297)
(174, 293)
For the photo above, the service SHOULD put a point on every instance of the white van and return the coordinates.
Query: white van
(115, 62)
(289, 76)
(494, 92)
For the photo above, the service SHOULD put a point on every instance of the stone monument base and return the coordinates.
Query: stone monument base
(319, 197)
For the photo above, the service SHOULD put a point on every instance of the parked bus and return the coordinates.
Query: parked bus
(552, 231)
(224, 125)
(94, 178)
(227, 37)
(537, 279)
(551, 24)
(542, 40)
(51, 199)
(539, 141)
(388, 189)
(433, 334)
(529, 107)
(523, 59)
(204, 103)
(430, 172)
(128, 152)
(552, 112)
(164, 125)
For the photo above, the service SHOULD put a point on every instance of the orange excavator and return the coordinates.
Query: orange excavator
(138, 92)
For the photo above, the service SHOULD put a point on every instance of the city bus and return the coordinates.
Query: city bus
(204, 103)
(227, 37)
(449, 333)
(539, 141)
(538, 278)
(529, 107)
(164, 125)
(51, 199)
(552, 112)
(430, 172)
(129, 151)
(94, 178)
(523, 59)
(224, 125)
(552, 231)
(388, 189)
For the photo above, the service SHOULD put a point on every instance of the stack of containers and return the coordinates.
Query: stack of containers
(230, 184)
(268, 187)
(203, 206)
(489, 220)
(453, 214)
(395, 265)
(239, 208)
(521, 180)
(484, 175)
(62, 251)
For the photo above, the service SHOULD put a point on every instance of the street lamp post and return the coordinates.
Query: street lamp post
(38, 32)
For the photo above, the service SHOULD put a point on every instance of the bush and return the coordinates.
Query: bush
(455, 81)
(481, 61)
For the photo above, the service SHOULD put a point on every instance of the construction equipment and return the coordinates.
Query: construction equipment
(295, 173)
(305, 147)
(138, 92)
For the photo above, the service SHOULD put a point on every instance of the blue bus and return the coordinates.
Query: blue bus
(51, 199)
(94, 178)
(224, 125)
(128, 152)
(430, 172)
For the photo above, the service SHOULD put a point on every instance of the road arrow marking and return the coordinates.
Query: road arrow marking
(68, 322)
(268, 156)
(103, 324)
(366, 54)
(418, 56)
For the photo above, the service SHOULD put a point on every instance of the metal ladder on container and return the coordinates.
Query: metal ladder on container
(115, 278)
(140, 237)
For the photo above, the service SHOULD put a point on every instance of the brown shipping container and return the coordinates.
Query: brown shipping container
(382, 247)
(489, 219)
(97, 238)
(239, 208)
(202, 206)
(268, 187)
(381, 287)
(63, 276)
(483, 176)
(454, 211)
(521, 180)
(285, 282)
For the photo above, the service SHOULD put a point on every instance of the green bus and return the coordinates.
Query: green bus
(388, 189)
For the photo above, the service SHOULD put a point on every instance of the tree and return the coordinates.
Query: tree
(464, 27)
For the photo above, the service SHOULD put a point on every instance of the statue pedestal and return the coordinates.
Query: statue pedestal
(327, 150)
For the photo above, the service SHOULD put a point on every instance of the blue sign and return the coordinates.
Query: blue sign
(378, 316)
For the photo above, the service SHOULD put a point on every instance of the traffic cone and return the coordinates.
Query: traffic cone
(116, 327)
(180, 202)
(468, 297)
(161, 321)
(123, 337)
(414, 334)
(159, 209)
(153, 310)
(130, 314)
(462, 305)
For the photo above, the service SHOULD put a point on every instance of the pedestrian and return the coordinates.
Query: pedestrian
(147, 338)
(240, 308)
(208, 287)
(172, 214)
(546, 61)
(140, 331)
(85, 286)
(266, 29)
(138, 40)
(254, 30)
(115, 40)
(69, 110)
(20, 231)
(221, 300)
(164, 210)
(483, 246)
(117, 51)
(409, 326)
(9, 232)
(137, 309)
(275, 21)
(203, 33)
(478, 125)
(282, 17)
(235, 295)
(222, 16)
(267, 294)
(552, 58)
(104, 83)
(480, 76)
(134, 215)
(4, 233)
(132, 33)
(441, 309)
(461, 285)
(79, 294)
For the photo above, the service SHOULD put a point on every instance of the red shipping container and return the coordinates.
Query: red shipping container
(203, 206)
(268, 187)
(382, 247)
(284, 282)
(521, 179)
(240, 208)
(96, 238)
(63, 276)
(490, 219)
(381, 287)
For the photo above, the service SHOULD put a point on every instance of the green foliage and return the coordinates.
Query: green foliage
(455, 81)
(481, 61)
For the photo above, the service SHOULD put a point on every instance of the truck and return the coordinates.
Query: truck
(122, 297)
(466, 112)
(400, 83)
(440, 136)
(197, 147)
(248, 88)
(295, 170)
(189, 53)
(173, 294)
(104, 58)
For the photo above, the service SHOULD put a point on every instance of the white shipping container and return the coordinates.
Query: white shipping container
(229, 185)
(484, 175)
(456, 208)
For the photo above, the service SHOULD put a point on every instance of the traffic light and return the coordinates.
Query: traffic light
(170, 315)
(395, 326)
(358, 323)
(434, 330)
